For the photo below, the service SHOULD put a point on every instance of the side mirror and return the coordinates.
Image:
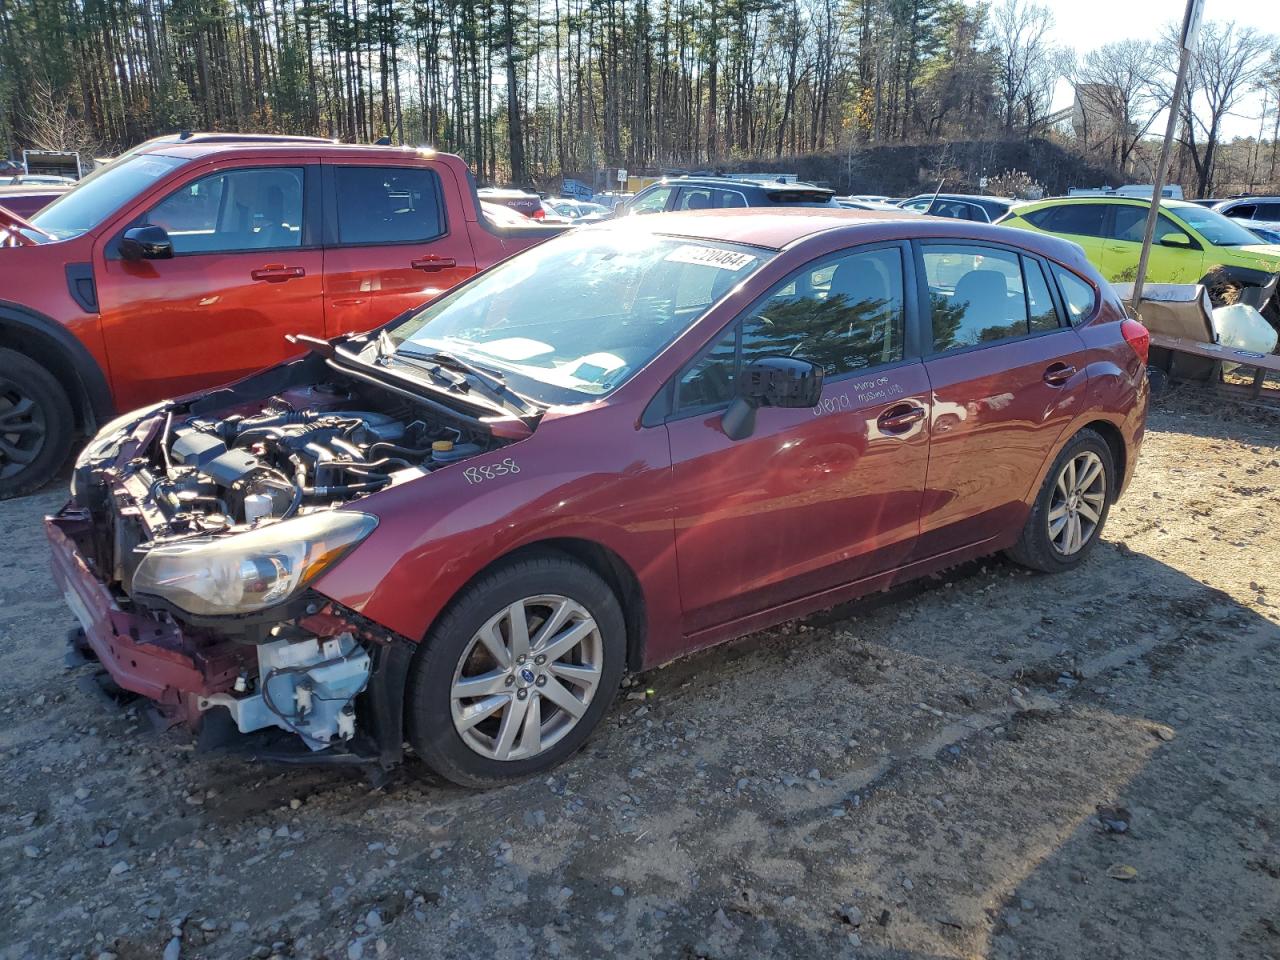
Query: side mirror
(146, 243)
(771, 382)
(1179, 240)
(620, 208)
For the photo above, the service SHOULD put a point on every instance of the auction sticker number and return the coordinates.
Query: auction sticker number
(491, 471)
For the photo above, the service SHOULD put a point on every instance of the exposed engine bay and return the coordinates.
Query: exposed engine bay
(203, 522)
(305, 449)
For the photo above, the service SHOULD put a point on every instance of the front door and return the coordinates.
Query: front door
(245, 273)
(392, 243)
(1183, 263)
(813, 498)
(1006, 374)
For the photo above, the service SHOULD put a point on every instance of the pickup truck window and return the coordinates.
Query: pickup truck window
(572, 319)
(257, 209)
(387, 205)
(102, 193)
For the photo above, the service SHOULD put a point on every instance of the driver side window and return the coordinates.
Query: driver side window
(843, 313)
(259, 209)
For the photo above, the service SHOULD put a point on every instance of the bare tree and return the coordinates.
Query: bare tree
(52, 123)
(1020, 34)
(1227, 64)
(1116, 90)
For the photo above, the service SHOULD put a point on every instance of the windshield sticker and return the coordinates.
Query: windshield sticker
(710, 257)
(153, 168)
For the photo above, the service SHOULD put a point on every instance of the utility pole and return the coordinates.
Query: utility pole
(1190, 36)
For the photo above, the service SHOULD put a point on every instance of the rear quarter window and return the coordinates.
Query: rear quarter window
(1077, 294)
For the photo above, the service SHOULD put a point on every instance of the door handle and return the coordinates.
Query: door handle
(432, 264)
(1058, 373)
(900, 417)
(277, 273)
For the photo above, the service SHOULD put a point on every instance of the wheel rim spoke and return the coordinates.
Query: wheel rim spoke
(512, 721)
(1091, 471)
(1088, 512)
(15, 453)
(583, 676)
(559, 694)
(558, 646)
(531, 735)
(482, 686)
(559, 617)
(518, 624)
(490, 636)
(476, 712)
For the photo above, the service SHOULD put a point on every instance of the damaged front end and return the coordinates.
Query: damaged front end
(196, 527)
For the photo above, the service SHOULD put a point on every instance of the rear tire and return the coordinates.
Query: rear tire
(36, 425)
(485, 737)
(1071, 508)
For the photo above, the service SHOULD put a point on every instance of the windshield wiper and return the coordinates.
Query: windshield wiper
(490, 385)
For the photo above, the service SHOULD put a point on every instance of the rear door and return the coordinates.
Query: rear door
(1006, 374)
(246, 271)
(395, 237)
(813, 498)
(1084, 223)
(1125, 230)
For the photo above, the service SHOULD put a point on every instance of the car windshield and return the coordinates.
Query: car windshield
(1219, 230)
(572, 319)
(101, 193)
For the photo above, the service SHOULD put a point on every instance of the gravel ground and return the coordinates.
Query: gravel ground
(990, 764)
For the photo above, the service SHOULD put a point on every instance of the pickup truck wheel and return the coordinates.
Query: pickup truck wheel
(36, 424)
(1071, 508)
(517, 673)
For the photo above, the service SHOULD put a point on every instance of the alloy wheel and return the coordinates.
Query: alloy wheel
(526, 677)
(1076, 507)
(22, 429)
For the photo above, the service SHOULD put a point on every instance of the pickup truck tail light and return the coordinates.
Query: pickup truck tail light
(1136, 335)
(538, 214)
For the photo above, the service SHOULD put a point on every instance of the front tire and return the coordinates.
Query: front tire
(517, 673)
(1071, 508)
(36, 424)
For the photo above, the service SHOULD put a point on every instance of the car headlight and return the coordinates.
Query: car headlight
(250, 571)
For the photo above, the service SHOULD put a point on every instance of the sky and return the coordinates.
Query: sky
(1086, 24)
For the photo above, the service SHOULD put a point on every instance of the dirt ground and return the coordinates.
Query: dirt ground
(990, 764)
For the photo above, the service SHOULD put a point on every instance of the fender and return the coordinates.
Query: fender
(94, 394)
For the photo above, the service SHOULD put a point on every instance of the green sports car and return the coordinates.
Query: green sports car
(1192, 244)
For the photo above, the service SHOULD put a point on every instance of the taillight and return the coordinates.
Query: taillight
(1137, 336)
(538, 214)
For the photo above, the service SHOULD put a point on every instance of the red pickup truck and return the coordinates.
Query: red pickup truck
(185, 262)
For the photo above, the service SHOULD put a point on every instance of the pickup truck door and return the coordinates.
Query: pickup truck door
(246, 271)
(396, 236)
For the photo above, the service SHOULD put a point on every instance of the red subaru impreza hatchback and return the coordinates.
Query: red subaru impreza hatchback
(633, 441)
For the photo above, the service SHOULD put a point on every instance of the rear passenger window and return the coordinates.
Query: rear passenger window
(1080, 219)
(980, 295)
(387, 205)
(1079, 296)
(1042, 314)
